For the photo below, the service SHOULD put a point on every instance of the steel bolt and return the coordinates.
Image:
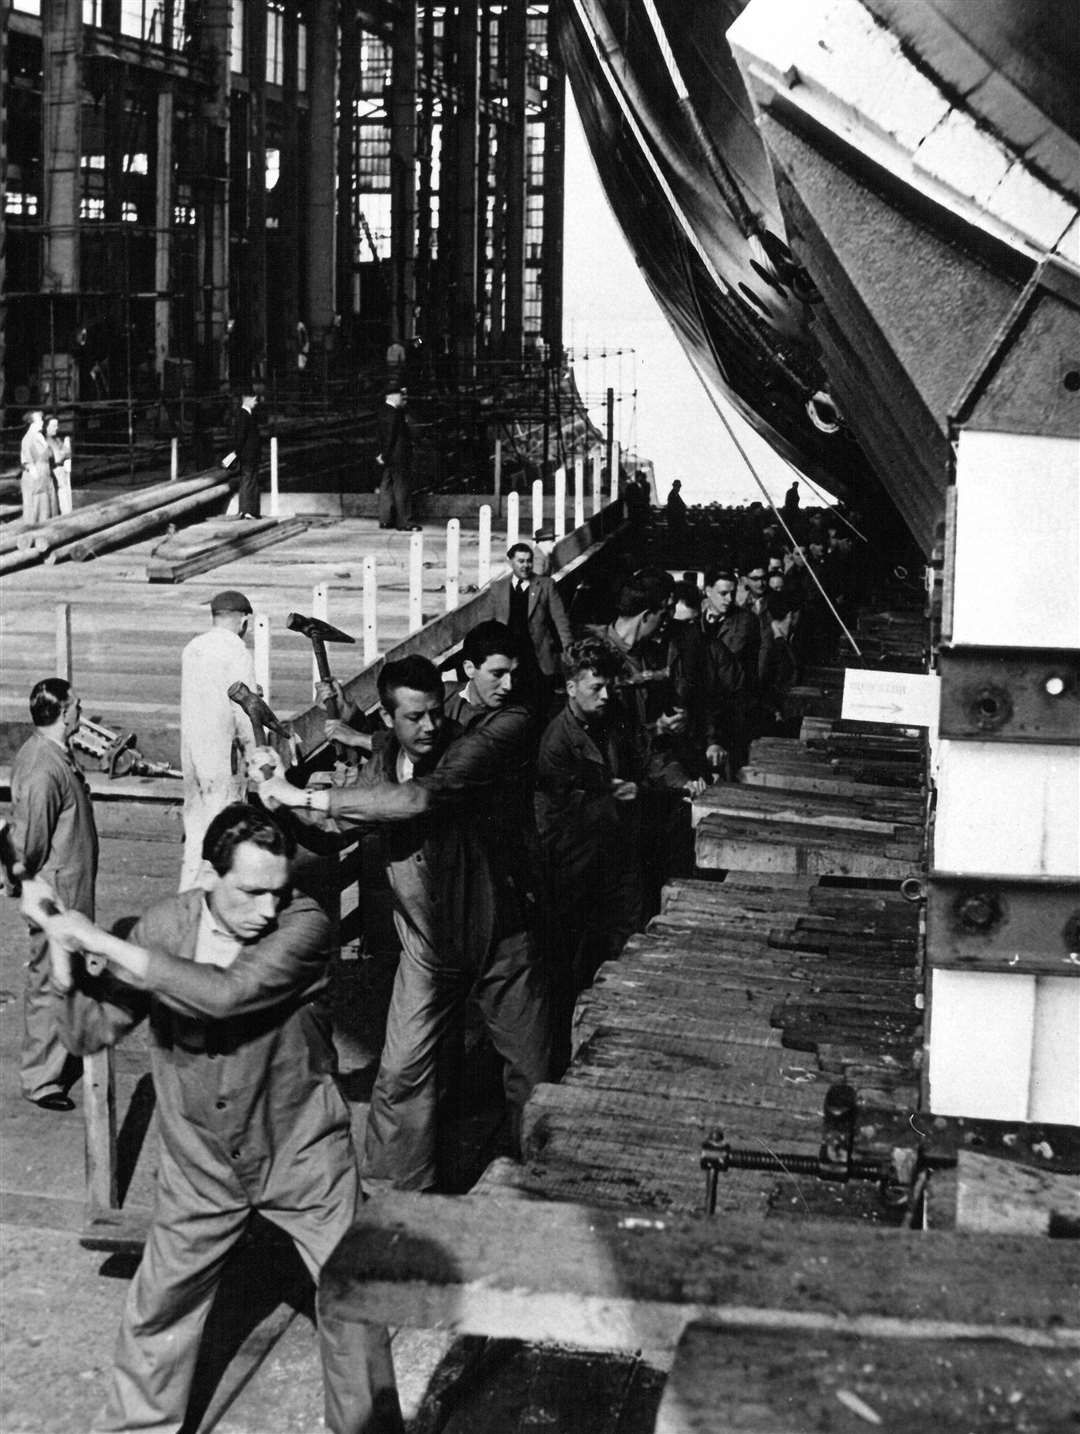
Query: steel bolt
(980, 911)
(991, 708)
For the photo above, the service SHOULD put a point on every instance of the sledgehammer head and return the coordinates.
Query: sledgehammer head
(315, 629)
(257, 710)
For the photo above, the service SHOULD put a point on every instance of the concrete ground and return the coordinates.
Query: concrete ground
(60, 1304)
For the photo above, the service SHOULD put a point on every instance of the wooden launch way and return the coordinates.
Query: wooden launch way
(790, 963)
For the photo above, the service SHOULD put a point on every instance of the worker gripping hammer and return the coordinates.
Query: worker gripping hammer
(319, 633)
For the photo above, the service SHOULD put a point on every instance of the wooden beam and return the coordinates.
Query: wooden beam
(198, 550)
(727, 1381)
(604, 1279)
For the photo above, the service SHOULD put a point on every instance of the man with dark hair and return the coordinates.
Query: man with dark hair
(726, 672)
(490, 663)
(448, 807)
(778, 669)
(234, 981)
(752, 587)
(55, 839)
(394, 457)
(532, 609)
(587, 783)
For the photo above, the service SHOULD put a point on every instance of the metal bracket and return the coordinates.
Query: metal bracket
(1010, 694)
(1026, 925)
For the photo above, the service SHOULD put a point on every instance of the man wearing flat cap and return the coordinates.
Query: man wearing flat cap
(215, 734)
(394, 458)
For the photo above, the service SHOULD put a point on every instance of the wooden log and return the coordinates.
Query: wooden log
(603, 1280)
(95, 516)
(140, 526)
(741, 1381)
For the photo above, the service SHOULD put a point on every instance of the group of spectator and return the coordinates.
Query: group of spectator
(45, 459)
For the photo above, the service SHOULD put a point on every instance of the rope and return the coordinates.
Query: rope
(776, 513)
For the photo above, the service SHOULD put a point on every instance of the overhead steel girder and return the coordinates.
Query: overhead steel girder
(912, 296)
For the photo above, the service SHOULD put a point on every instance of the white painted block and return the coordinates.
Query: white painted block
(963, 156)
(1030, 206)
(1055, 1056)
(1017, 541)
(1008, 809)
(981, 1033)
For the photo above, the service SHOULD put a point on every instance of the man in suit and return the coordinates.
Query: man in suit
(531, 608)
(247, 446)
(395, 459)
(55, 839)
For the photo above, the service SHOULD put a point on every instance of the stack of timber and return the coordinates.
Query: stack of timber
(211, 544)
(100, 527)
(790, 963)
(736, 1008)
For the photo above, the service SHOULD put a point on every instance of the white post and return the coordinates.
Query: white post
(275, 495)
(174, 460)
(320, 607)
(261, 640)
(560, 503)
(537, 505)
(63, 640)
(483, 556)
(579, 491)
(416, 581)
(498, 475)
(513, 519)
(371, 603)
(616, 464)
(597, 482)
(453, 564)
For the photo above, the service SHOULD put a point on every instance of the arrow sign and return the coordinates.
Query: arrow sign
(904, 699)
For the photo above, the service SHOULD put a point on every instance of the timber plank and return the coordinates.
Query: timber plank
(592, 1277)
(739, 1381)
(210, 545)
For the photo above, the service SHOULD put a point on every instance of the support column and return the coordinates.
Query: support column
(322, 66)
(163, 227)
(348, 88)
(4, 11)
(512, 136)
(255, 257)
(61, 105)
(287, 280)
(464, 279)
(403, 171)
(212, 200)
(554, 188)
